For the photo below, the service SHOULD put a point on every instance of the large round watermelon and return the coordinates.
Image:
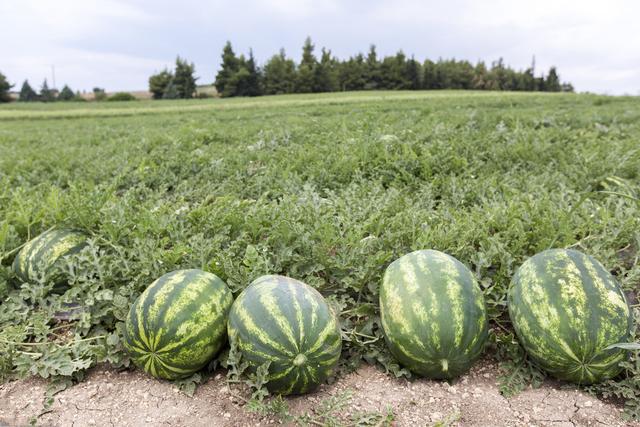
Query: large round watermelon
(285, 322)
(178, 323)
(566, 309)
(433, 314)
(41, 256)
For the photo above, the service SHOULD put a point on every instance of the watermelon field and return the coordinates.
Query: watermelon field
(329, 190)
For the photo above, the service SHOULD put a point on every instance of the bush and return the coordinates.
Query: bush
(122, 96)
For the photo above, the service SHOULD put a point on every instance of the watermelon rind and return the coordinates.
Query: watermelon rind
(566, 309)
(288, 325)
(40, 257)
(433, 314)
(178, 324)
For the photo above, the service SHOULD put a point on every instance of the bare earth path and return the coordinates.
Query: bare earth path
(110, 398)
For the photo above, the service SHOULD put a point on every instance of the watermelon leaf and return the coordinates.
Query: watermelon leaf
(631, 346)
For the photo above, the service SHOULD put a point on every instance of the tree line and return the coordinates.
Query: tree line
(47, 94)
(240, 76)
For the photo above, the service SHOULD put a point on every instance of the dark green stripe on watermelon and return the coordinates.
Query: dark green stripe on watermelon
(178, 323)
(285, 322)
(433, 314)
(41, 256)
(566, 309)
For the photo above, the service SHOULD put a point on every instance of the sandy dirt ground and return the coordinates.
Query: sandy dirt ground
(110, 398)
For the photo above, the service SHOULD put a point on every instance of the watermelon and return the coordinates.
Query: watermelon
(433, 314)
(178, 323)
(42, 256)
(288, 324)
(566, 309)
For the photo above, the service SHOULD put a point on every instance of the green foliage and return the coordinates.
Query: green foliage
(27, 94)
(122, 96)
(5, 87)
(230, 66)
(99, 94)
(171, 91)
(450, 420)
(327, 189)
(66, 94)
(329, 412)
(373, 75)
(307, 68)
(279, 74)
(325, 78)
(282, 75)
(159, 82)
(184, 79)
(517, 372)
(46, 94)
(246, 81)
(627, 387)
(552, 82)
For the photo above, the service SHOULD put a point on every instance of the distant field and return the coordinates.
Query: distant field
(325, 188)
(82, 109)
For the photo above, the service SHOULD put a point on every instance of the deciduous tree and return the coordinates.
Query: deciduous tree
(158, 83)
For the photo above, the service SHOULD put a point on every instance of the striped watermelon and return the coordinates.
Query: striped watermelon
(288, 323)
(433, 314)
(566, 309)
(178, 323)
(40, 257)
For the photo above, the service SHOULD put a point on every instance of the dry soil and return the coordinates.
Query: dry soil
(111, 398)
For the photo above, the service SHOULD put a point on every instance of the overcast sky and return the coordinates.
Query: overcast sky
(117, 44)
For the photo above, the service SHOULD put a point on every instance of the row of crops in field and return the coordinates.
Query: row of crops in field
(326, 189)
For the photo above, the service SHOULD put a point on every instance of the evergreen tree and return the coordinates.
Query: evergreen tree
(46, 94)
(306, 70)
(552, 82)
(5, 87)
(325, 78)
(429, 75)
(183, 79)
(66, 94)
(230, 66)
(27, 94)
(393, 72)
(159, 82)
(279, 74)
(412, 74)
(246, 81)
(465, 74)
(353, 73)
(373, 78)
(254, 85)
